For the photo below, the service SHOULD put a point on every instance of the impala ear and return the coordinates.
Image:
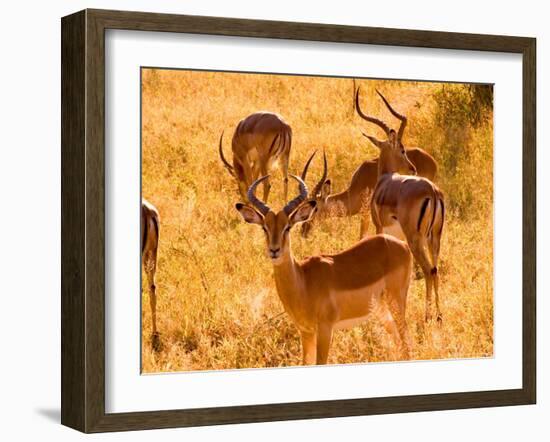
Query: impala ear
(250, 215)
(325, 190)
(304, 212)
(373, 140)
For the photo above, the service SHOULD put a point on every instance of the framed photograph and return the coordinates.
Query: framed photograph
(267, 221)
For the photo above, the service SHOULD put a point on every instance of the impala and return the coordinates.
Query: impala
(354, 199)
(407, 206)
(326, 292)
(150, 222)
(260, 142)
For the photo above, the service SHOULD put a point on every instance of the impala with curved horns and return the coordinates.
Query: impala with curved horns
(355, 198)
(407, 206)
(261, 141)
(150, 230)
(327, 292)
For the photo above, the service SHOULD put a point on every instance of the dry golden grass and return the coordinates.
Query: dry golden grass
(217, 303)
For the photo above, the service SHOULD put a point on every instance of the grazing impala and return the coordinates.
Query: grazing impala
(405, 205)
(150, 222)
(327, 292)
(260, 142)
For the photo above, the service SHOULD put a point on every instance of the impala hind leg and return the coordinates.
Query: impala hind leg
(418, 250)
(397, 303)
(365, 213)
(267, 189)
(388, 320)
(150, 270)
(434, 252)
(324, 338)
(285, 175)
(266, 184)
(399, 310)
(365, 222)
(309, 350)
(434, 243)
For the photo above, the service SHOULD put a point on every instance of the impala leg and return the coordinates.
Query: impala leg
(364, 209)
(388, 321)
(242, 191)
(285, 174)
(155, 337)
(434, 251)
(419, 252)
(267, 189)
(435, 277)
(436, 291)
(398, 310)
(435, 243)
(324, 338)
(241, 181)
(151, 271)
(266, 183)
(365, 221)
(405, 337)
(309, 348)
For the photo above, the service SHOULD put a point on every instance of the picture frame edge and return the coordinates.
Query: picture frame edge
(73, 124)
(83, 229)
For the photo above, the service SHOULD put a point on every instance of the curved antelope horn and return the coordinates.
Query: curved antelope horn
(318, 186)
(228, 166)
(403, 118)
(251, 195)
(306, 167)
(289, 208)
(368, 118)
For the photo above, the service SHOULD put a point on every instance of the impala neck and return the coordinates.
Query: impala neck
(287, 278)
(385, 164)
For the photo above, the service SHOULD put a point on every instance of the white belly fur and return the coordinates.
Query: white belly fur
(372, 292)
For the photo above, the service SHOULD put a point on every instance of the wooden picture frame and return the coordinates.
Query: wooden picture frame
(83, 220)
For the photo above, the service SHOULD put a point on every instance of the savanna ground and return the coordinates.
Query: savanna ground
(217, 303)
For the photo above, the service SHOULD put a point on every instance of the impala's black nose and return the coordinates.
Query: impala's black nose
(274, 253)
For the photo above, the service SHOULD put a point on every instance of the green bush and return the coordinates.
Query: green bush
(459, 134)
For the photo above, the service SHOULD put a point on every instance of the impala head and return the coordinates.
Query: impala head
(392, 151)
(276, 226)
(320, 193)
(243, 171)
